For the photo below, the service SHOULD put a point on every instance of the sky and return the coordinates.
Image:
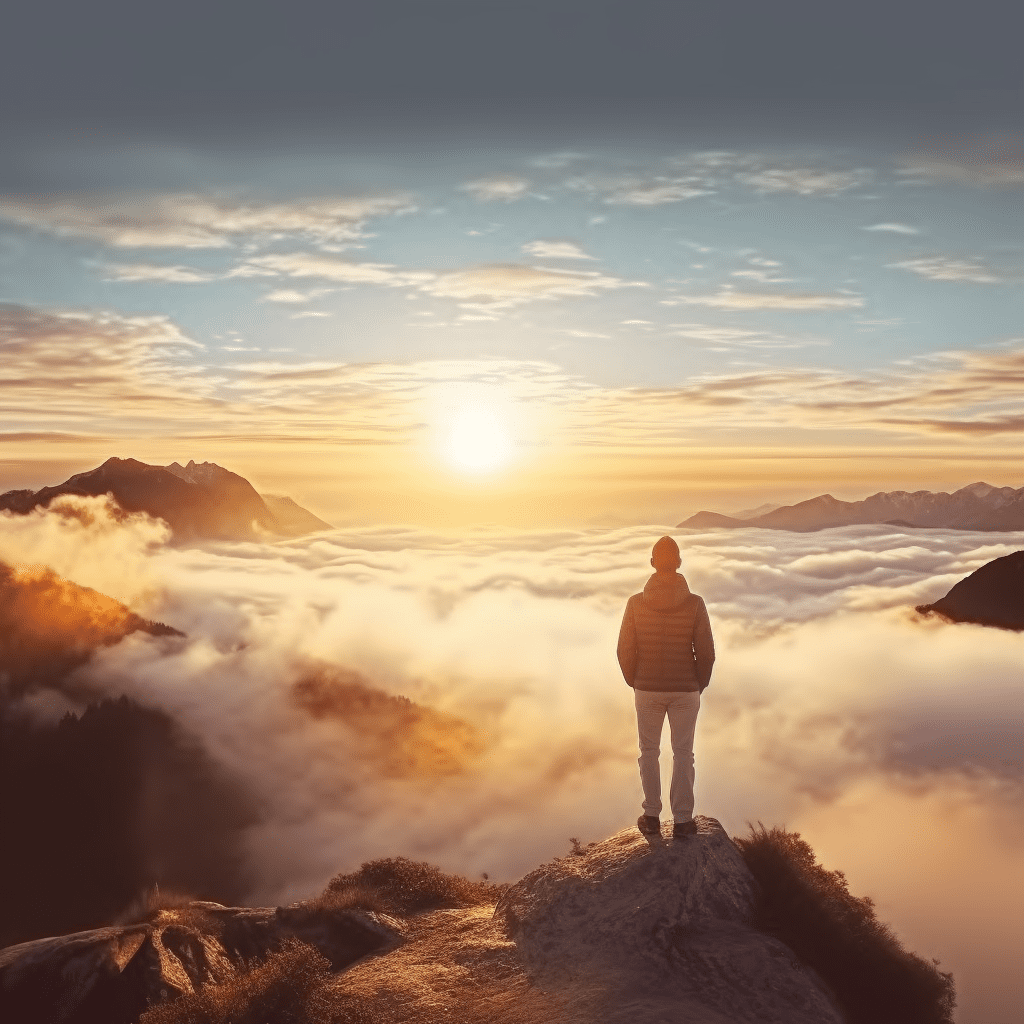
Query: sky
(548, 264)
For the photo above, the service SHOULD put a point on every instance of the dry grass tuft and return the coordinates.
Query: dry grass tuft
(397, 885)
(349, 897)
(579, 849)
(811, 909)
(286, 988)
(188, 912)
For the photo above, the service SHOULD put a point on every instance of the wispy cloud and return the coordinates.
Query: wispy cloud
(70, 368)
(137, 272)
(892, 227)
(968, 269)
(727, 298)
(657, 192)
(506, 283)
(983, 162)
(576, 333)
(499, 188)
(498, 284)
(332, 268)
(294, 296)
(193, 221)
(716, 336)
(804, 181)
(762, 276)
(983, 427)
(556, 249)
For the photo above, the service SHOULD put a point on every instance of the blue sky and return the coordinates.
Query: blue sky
(670, 265)
(827, 255)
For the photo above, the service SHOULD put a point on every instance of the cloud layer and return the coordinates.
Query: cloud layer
(827, 688)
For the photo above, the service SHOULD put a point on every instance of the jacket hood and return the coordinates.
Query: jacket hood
(665, 591)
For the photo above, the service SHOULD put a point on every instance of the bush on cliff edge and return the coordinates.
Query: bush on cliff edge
(812, 910)
(397, 885)
(286, 988)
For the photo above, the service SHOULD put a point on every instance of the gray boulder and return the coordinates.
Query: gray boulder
(662, 930)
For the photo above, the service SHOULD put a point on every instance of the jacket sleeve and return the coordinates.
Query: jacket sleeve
(626, 649)
(703, 645)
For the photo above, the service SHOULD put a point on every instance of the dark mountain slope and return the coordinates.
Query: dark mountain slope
(992, 595)
(102, 806)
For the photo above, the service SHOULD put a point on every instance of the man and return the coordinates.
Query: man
(666, 652)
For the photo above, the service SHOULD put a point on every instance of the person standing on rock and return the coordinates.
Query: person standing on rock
(666, 652)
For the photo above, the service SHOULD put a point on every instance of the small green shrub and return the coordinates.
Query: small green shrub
(811, 909)
(286, 988)
(398, 885)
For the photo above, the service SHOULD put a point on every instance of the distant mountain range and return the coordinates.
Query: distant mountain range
(991, 596)
(978, 506)
(200, 501)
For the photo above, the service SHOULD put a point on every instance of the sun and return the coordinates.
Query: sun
(476, 428)
(478, 437)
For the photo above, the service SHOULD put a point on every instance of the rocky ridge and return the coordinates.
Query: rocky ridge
(634, 929)
(113, 974)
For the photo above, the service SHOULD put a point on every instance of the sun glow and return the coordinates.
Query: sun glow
(477, 428)
(478, 439)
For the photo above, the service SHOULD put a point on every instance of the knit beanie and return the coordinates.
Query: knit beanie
(666, 554)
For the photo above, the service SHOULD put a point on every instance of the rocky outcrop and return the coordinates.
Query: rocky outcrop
(632, 930)
(991, 596)
(111, 975)
(661, 930)
(979, 506)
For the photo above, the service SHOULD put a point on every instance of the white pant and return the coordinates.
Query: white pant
(681, 708)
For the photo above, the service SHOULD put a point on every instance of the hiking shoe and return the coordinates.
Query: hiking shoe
(649, 825)
(683, 829)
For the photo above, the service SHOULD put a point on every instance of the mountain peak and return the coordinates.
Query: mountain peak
(631, 910)
(980, 489)
(198, 501)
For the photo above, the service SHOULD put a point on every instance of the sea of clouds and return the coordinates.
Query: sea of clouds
(892, 742)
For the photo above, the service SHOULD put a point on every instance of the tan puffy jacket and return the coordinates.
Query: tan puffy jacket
(665, 642)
